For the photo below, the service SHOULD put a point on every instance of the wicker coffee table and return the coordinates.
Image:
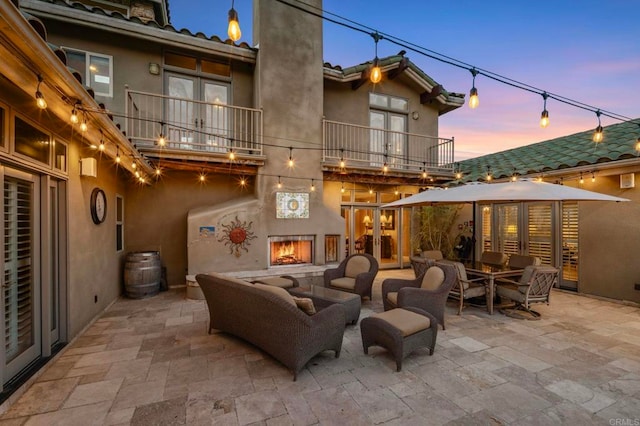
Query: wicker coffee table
(323, 297)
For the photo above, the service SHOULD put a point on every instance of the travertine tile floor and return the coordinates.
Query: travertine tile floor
(151, 362)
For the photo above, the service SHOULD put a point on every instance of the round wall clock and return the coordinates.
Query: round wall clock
(98, 206)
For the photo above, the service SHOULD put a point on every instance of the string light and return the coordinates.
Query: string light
(474, 101)
(514, 175)
(234, 24)
(396, 192)
(489, 177)
(158, 171)
(593, 177)
(385, 167)
(598, 133)
(161, 140)
(232, 155)
(581, 179)
(290, 157)
(375, 75)
(118, 159)
(424, 170)
(40, 101)
(83, 125)
(137, 173)
(279, 183)
(342, 187)
(101, 146)
(370, 190)
(544, 117)
(202, 176)
(134, 165)
(342, 163)
(74, 116)
(243, 181)
(313, 185)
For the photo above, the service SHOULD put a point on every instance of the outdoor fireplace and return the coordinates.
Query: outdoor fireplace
(290, 250)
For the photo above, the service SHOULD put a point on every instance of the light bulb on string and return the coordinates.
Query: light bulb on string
(342, 188)
(342, 163)
(40, 100)
(544, 116)
(489, 177)
(83, 126)
(424, 170)
(290, 157)
(118, 159)
(474, 100)
(161, 140)
(74, 116)
(134, 165)
(279, 183)
(243, 181)
(581, 179)
(232, 155)
(233, 31)
(598, 134)
(375, 74)
(370, 190)
(101, 146)
(593, 176)
(158, 171)
(202, 177)
(313, 185)
(396, 192)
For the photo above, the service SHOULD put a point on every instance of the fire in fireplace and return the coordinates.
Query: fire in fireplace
(290, 250)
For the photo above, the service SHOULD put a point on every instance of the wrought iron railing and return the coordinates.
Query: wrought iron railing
(192, 126)
(367, 147)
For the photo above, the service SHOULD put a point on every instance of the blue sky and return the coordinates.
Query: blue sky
(588, 51)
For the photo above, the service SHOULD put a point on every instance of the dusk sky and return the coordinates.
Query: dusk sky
(584, 50)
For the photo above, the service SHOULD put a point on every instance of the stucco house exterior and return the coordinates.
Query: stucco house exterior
(189, 138)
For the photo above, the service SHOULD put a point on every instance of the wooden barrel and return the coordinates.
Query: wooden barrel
(142, 274)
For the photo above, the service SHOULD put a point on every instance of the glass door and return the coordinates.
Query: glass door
(538, 238)
(21, 332)
(508, 238)
(181, 120)
(389, 220)
(214, 121)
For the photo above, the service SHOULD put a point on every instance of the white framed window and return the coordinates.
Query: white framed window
(119, 223)
(96, 69)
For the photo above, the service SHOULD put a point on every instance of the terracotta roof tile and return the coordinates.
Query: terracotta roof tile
(559, 153)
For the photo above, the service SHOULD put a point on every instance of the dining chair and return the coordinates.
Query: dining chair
(493, 258)
(464, 288)
(533, 287)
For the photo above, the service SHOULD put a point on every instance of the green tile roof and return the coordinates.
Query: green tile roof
(560, 153)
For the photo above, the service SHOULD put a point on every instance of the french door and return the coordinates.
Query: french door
(21, 291)
(195, 113)
(390, 139)
(520, 228)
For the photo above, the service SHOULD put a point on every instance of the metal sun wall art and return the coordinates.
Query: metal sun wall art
(237, 235)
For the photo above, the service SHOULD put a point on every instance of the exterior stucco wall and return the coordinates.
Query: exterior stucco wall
(343, 104)
(156, 215)
(94, 264)
(609, 239)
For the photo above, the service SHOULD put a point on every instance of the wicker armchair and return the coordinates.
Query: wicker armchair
(533, 287)
(428, 292)
(355, 274)
(432, 254)
(420, 264)
(465, 288)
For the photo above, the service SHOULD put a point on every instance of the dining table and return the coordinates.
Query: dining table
(491, 272)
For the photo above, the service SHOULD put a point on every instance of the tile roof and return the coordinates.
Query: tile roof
(134, 19)
(560, 153)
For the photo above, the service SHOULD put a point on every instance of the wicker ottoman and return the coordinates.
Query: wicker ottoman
(401, 331)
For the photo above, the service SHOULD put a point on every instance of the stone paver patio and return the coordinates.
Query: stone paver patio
(151, 362)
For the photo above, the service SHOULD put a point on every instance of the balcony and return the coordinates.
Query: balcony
(367, 149)
(192, 129)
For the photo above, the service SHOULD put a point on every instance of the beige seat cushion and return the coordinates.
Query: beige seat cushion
(357, 265)
(276, 281)
(433, 278)
(344, 282)
(433, 254)
(406, 321)
(305, 304)
(393, 297)
(280, 292)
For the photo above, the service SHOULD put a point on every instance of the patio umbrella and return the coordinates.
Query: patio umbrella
(520, 190)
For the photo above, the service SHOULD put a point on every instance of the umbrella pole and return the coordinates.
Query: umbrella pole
(473, 233)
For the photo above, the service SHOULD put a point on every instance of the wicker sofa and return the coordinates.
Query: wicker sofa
(270, 322)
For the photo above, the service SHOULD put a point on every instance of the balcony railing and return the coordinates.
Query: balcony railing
(367, 147)
(192, 126)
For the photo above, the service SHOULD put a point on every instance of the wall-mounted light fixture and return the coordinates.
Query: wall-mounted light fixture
(154, 68)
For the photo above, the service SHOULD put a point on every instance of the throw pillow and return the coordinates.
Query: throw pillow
(433, 278)
(305, 304)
